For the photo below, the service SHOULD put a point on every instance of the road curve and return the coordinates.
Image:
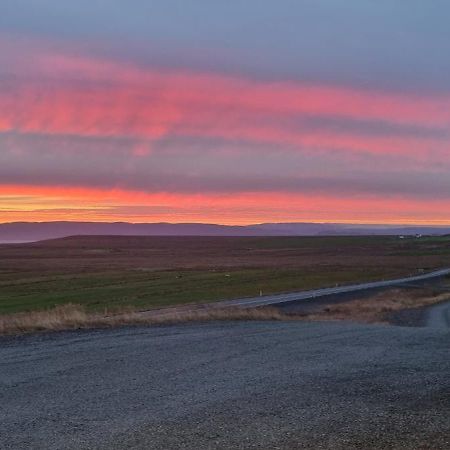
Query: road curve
(241, 385)
(267, 300)
(438, 316)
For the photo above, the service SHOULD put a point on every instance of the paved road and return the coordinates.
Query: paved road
(228, 385)
(293, 299)
(316, 293)
(438, 316)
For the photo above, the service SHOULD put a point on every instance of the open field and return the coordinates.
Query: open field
(149, 272)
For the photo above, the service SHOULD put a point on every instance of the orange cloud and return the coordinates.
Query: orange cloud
(41, 203)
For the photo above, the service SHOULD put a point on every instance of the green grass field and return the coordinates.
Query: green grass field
(117, 272)
(163, 288)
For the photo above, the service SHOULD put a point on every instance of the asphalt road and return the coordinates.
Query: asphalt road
(238, 385)
(277, 299)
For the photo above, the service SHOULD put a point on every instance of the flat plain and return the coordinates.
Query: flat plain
(112, 272)
(286, 384)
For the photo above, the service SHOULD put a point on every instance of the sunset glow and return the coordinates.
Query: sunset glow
(92, 134)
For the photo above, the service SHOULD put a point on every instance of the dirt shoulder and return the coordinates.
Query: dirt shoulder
(396, 306)
(404, 307)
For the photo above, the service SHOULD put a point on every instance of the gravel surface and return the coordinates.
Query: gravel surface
(233, 385)
(436, 316)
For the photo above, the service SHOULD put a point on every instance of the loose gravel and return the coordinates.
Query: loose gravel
(233, 385)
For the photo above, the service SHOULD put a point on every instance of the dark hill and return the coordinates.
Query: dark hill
(31, 231)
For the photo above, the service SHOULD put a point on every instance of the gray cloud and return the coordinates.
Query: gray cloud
(401, 45)
(195, 166)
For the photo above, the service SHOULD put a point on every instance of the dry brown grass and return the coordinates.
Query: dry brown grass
(378, 308)
(72, 317)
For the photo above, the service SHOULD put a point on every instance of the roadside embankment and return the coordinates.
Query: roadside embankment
(395, 306)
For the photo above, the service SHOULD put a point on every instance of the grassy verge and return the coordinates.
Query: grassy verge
(71, 317)
(75, 317)
(378, 308)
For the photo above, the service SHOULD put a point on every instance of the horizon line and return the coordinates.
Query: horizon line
(312, 222)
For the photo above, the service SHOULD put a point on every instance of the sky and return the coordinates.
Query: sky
(233, 112)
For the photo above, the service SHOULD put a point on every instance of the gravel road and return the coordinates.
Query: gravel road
(239, 385)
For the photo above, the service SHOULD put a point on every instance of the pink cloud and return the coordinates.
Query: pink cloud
(56, 93)
(88, 97)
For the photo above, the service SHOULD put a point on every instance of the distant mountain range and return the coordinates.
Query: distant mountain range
(33, 231)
